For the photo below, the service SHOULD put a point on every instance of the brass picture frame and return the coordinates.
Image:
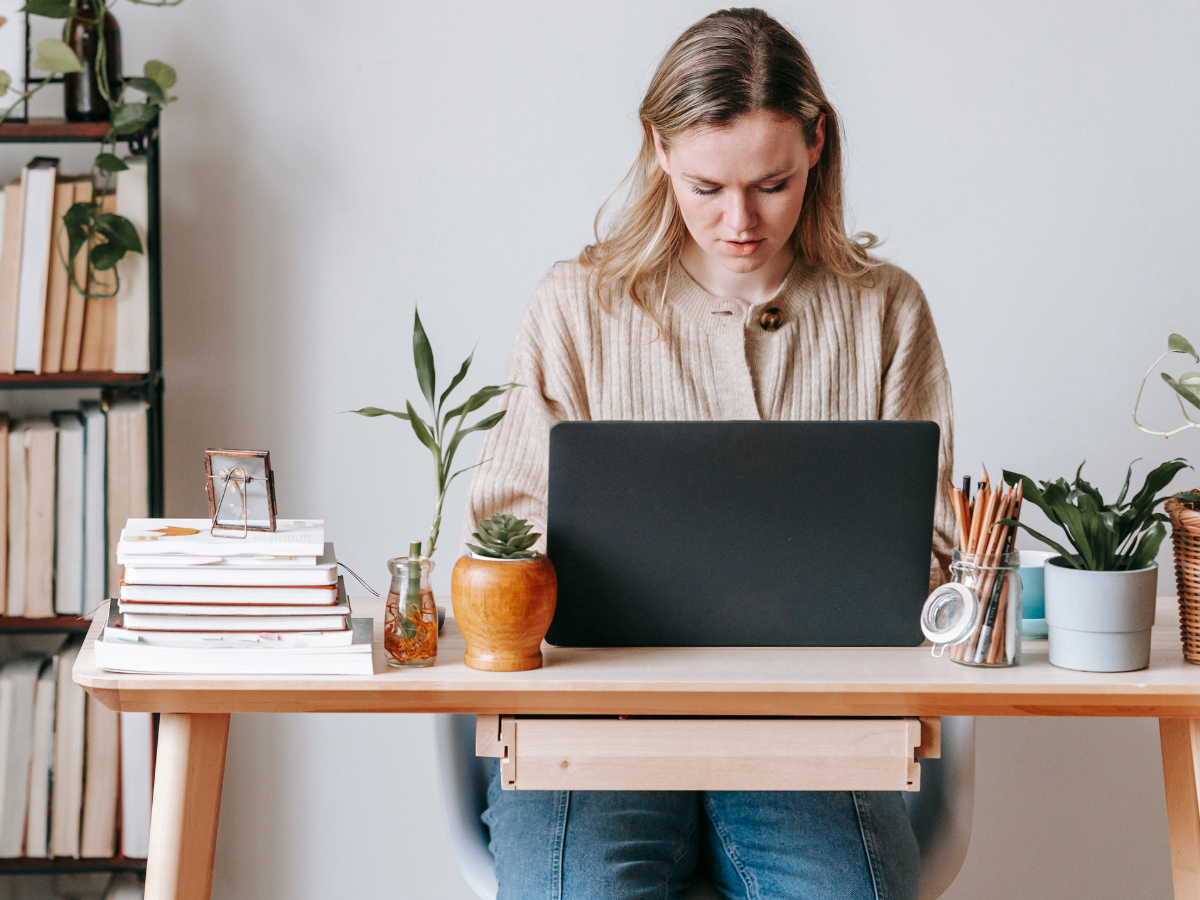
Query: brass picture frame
(241, 491)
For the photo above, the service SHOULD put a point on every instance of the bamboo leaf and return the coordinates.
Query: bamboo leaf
(422, 430)
(372, 411)
(482, 425)
(455, 382)
(479, 398)
(1177, 343)
(423, 357)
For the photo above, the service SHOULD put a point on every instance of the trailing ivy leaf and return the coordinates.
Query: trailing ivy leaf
(51, 9)
(130, 117)
(149, 87)
(107, 255)
(55, 56)
(1177, 343)
(109, 162)
(5, 81)
(119, 230)
(161, 73)
(372, 411)
(423, 357)
(1186, 391)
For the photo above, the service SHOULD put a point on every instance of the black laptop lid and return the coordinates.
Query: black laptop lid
(698, 534)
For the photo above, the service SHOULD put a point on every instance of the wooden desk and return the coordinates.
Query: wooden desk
(667, 682)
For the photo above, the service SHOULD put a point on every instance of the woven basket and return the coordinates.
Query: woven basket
(1185, 534)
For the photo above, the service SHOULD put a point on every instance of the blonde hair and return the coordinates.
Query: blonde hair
(733, 62)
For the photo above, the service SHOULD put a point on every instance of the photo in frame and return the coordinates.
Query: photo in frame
(241, 491)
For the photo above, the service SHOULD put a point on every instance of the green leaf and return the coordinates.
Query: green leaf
(149, 87)
(51, 9)
(55, 56)
(1062, 551)
(455, 382)
(161, 73)
(1177, 343)
(5, 82)
(422, 431)
(482, 425)
(372, 411)
(108, 162)
(479, 398)
(1188, 392)
(130, 117)
(80, 214)
(76, 238)
(105, 256)
(1147, 548)
(423, 357)
(118, 230)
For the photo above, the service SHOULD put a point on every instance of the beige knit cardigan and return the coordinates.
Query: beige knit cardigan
(841, 353)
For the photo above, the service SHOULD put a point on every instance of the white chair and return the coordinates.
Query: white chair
(940, 811)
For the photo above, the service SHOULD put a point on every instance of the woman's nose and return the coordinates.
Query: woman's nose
(739, 214)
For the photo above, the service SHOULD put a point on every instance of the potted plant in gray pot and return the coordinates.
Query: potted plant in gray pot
(1100, 598)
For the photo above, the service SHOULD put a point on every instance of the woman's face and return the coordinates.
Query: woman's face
(740, 187)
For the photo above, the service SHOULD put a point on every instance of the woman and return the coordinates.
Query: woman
(725, 287)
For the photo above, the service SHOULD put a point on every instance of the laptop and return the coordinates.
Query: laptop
(741, 534)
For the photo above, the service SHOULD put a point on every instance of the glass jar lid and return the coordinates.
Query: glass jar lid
(950, 615)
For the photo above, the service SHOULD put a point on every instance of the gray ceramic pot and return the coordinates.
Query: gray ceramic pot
(1099, 621)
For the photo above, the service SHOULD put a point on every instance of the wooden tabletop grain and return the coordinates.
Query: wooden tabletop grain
(684, 682)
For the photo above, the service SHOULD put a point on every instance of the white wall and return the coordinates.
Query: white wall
(1031, 164)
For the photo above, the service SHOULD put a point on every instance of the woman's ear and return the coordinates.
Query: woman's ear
(661, 152)
(814, 152)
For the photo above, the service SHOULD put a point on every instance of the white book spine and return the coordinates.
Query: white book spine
(136, 743)
(18, 501)
(95, 519)
(133, 298)
(35, 267)
(68, 570)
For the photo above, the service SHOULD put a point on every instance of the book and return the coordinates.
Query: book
(132, 330)
(18, 684)
(37, 815)
(10, 273)
(38, 180)
(256, 657)
(68, 552)
(128, 473)
(125, 886)
(137, 755)
(95, 519)
(216, 639)
(215, 595)
(73, 327)
(42, 450)
(173, 561)
(106, 283)
(99, 315)
(236, 571)
(210, 623)
(153, 537)
(67, 798)
(232, 609)
(3, 513)
(98, 828)
(58, 281)
(18, 510)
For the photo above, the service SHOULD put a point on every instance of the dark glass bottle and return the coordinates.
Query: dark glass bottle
(81, 90)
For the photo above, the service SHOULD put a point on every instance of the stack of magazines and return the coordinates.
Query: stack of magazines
(234, 603)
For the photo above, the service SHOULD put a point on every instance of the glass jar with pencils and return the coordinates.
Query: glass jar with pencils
(410, 623)
(994, 639)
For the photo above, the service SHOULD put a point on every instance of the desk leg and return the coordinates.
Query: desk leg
(187, 803)
(1181, 772)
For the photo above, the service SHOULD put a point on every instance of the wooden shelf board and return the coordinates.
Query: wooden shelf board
(34, 866)
(11, 624)
(52, 128)
(70, 379)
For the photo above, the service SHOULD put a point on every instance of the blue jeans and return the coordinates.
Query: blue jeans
(645, 845)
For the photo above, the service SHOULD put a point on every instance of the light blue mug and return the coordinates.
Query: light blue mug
(1033, 592)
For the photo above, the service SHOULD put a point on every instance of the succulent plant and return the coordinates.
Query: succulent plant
(504, 536)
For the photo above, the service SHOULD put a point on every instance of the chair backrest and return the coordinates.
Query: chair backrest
(940, 812)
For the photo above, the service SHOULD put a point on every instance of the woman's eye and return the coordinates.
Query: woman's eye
(776, 189)
(704, 193)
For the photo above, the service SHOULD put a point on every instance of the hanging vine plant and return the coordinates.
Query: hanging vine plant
(104, 237)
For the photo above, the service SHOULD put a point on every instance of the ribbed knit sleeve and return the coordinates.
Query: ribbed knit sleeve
(514, 474)
(916, 386)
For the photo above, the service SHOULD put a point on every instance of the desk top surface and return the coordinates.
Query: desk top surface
(760, 681)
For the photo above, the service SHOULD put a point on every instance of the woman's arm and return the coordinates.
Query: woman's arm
(916, 386)
(514, 473)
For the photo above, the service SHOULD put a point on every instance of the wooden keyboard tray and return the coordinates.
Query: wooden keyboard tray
(666, 754)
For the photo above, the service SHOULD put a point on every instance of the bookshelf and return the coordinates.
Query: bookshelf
(147, 386)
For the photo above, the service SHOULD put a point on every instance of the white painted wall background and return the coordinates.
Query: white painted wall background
(327, 167)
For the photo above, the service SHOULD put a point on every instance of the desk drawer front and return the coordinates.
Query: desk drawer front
(706, 754)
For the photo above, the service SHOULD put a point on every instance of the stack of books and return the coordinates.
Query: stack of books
(235, 603)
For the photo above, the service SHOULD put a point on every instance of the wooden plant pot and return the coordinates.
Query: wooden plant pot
(504, 608)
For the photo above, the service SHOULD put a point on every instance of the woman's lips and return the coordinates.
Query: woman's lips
(741, 248)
